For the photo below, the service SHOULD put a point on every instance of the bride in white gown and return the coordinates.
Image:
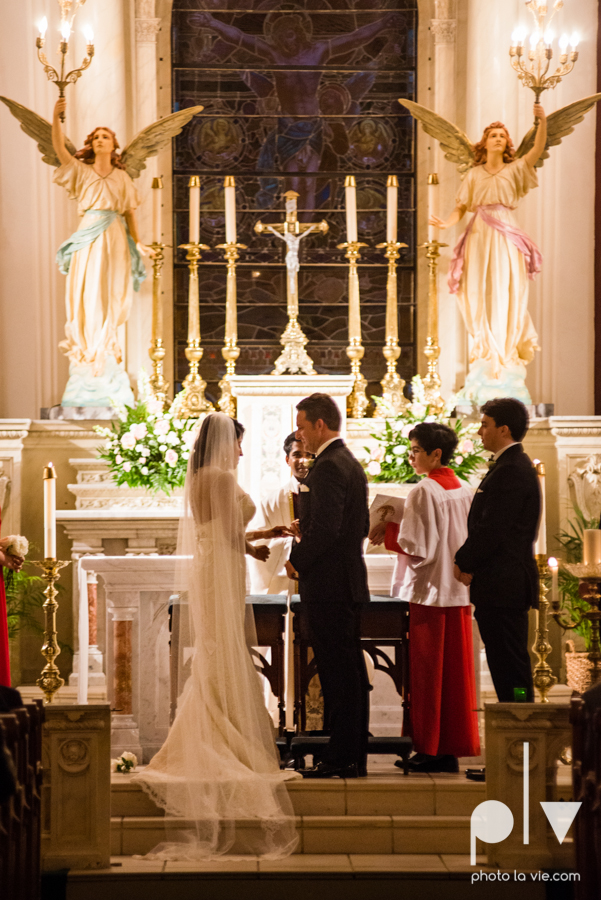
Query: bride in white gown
(218, 773)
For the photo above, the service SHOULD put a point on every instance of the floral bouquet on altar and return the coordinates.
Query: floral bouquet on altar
(389, 461)
(149, 447)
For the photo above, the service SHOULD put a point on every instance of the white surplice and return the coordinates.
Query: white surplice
(270, 577)
(433, 527)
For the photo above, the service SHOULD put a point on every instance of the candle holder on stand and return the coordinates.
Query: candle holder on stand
(50, 680)
(533, 67)
(157, 352)
(62, 79)
(589, 575)
(230, 351)
(432, 382)
(357, 402)
(392, 383)
(542, 676)
(194, 402)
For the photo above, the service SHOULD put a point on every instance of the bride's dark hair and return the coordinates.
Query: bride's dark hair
(200, 446)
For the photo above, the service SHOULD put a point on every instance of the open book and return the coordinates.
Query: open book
(386, 509)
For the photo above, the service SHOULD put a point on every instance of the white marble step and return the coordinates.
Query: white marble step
(376, 795)
(322, 834)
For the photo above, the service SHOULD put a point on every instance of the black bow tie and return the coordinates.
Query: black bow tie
(491, 463)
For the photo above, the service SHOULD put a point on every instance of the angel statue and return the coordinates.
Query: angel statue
(495, 258)
(103, 258)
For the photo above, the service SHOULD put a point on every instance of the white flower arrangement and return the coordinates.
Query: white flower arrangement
(15, 545)
(149, 447)
(127, 762)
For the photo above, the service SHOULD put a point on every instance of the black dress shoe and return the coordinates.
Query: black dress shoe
(330, 770)
(443, 763)
(476, 774)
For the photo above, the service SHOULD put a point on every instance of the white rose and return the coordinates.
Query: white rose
(130, 757)
(171, 457)
(144, 470)
(128, 441)
(127, 467)
(188, 438)
(118, 459)
(162, 447)
(143, 451)
(399, 451)
(114, 764)
(15, 545)
(139, 430)
(374, 467)
(162, 427)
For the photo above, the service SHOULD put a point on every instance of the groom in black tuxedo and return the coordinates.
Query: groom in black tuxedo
(334, 521)
(497, 559)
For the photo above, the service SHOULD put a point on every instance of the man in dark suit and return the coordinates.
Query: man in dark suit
(328, 558)
(497, 559)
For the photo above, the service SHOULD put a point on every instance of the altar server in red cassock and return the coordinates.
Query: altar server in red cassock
(443, 719)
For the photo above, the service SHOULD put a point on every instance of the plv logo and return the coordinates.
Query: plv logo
(492, 821)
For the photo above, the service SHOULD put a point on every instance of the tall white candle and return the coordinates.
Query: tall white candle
(194, 185)
(392, 203)
(591, 547)
(229, 186)
(157, 197)
(432, 204)
(554, 567)
(350, 201)
(49, 512)
(541, 539)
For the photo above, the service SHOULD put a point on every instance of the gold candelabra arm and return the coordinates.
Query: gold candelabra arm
(357, 403)
(194, 402)
(393, 385)
(61, 79)
(432, 381)
(157, 350)
(50, 680)
(230, 352)
(542, 676)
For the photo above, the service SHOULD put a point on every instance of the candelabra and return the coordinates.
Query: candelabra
(392, 383)
(357, 402)
(543, 676)
(532, 69)
(431, 382)
(230, 351)
(50, 680)
(62, 79)
(588, 575)
(193, 402)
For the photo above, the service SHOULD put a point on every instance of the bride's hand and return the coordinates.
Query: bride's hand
(277, 531)
(261, 553)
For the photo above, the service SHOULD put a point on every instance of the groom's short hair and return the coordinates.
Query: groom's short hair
(508, 411)
(321, 406)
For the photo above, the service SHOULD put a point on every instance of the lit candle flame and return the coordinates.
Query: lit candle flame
(43, 27)
(534, 39)
(564, 40)
(549, 37)
(574, 40)
(552, 562)
(65, 31)
(88, 34)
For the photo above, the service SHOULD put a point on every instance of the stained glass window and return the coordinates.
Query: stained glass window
(296, 96)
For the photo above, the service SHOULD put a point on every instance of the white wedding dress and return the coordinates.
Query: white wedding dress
(218, 773)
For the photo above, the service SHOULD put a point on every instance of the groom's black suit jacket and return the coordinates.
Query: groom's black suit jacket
(334, 521)
(502, 528)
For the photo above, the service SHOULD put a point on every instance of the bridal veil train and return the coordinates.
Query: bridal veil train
(217, 776)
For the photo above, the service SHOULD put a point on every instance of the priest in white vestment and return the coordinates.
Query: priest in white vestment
(279, 508)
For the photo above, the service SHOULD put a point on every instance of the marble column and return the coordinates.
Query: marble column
(452, 334)
(144, 87)
(96, 676)
(125, 733)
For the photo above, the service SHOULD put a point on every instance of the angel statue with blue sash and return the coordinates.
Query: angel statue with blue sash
(494, 259)
(103, 258)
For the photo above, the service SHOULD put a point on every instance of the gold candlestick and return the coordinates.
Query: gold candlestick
(194, 402)
(432, 349)
(392, 383)
(357, 402)
(542, 676)
(231, 351)
(157, 351)
(50, 680)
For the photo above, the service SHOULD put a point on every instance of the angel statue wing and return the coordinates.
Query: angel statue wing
(39, 129)
(152, 139)
(559, 125)
(455, 145)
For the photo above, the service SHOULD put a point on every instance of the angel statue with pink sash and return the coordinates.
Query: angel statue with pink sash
(103, 258)
(494, 260)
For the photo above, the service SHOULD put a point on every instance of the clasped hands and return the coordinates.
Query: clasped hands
(11, 562)
(464, 577)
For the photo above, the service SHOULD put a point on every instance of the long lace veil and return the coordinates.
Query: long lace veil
(217, 775)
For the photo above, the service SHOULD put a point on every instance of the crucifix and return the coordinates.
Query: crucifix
(294, 358)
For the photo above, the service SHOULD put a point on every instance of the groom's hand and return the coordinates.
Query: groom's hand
(378, 533)
(290, 571)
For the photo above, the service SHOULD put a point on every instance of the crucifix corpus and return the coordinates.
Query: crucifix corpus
(294, 359)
